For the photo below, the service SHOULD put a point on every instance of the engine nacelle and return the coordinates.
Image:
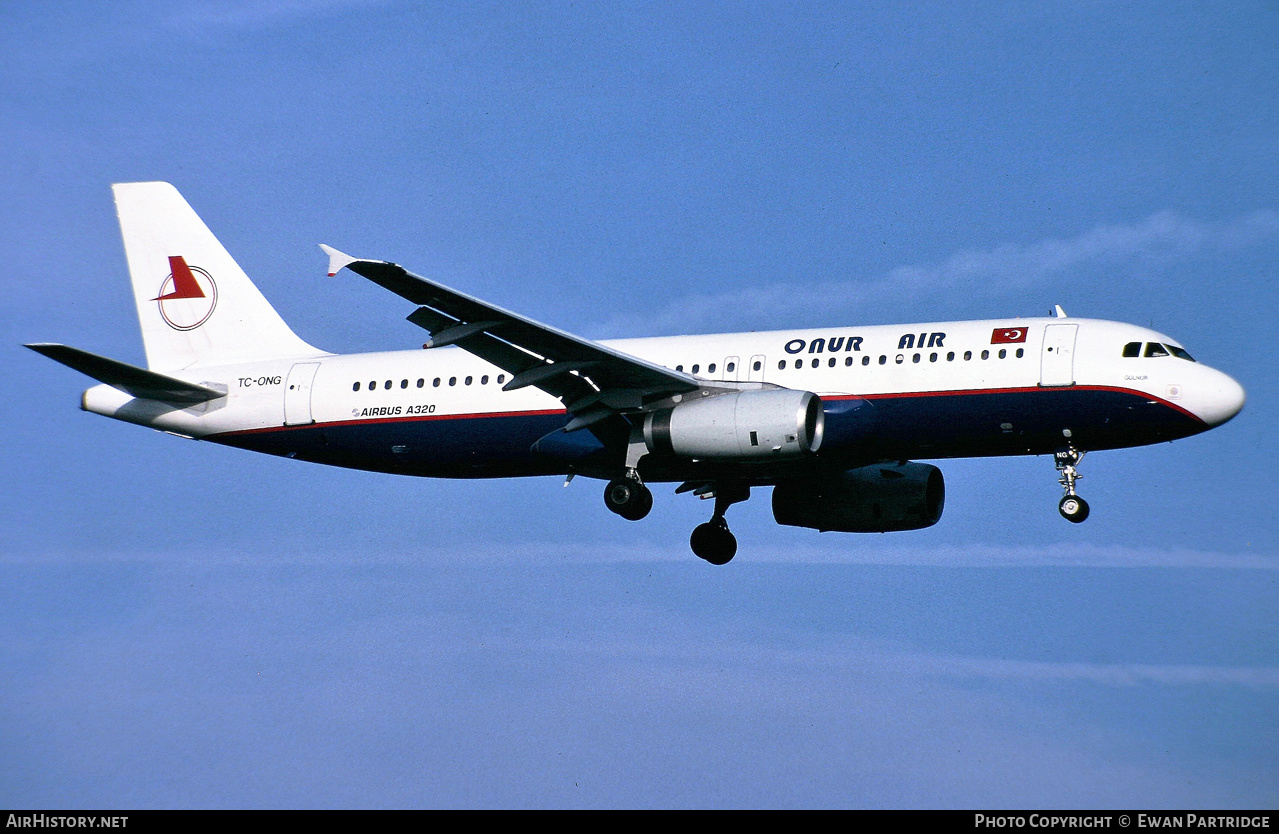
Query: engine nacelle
(749, 425)
(870, 499)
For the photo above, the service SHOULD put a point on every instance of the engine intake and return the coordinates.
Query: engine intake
(749, 425)
(870, 499)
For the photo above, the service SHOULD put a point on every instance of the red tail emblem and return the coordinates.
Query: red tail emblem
(184, 283)
(187, 295)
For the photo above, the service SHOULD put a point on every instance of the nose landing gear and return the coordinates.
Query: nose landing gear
(1072, 507)
(713, 541)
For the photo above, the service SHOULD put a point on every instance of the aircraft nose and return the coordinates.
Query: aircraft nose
(1225, 399)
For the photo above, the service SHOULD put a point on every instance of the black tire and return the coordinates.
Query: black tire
(713, 542)
(629, 499)
(1073, 508)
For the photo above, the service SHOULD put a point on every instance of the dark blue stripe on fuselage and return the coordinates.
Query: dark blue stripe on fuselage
(1006, 422)
(875, 427)
(464, 447)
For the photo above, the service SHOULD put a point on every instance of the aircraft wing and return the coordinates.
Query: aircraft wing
(594, 381)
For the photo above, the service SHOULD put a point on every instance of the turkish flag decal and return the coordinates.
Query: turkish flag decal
(1007, 335)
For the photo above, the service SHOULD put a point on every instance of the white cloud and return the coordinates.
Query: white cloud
(830, 550)
(1109, 674)
(254, 13)
(990, 555)
(1164, 237)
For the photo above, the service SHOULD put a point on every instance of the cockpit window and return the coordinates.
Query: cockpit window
(1180, 353)
(1132, 349)
(1155, 349)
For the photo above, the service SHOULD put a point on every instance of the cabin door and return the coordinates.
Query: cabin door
(1057, 362)
(297, 394)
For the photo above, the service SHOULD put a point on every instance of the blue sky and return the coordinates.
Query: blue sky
(188, 625)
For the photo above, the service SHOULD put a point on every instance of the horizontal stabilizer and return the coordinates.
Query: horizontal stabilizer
(128, 378)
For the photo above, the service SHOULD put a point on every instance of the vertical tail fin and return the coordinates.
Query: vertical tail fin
(195, 304)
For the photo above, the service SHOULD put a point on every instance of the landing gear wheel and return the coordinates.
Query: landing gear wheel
(1073, 508)
(628, 498)
(714, 542)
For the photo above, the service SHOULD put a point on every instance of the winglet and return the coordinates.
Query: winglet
(337, 259)
(1058, 312)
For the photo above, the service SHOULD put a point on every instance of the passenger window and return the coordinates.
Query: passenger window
(501, 378)
(468, 380)
(404, 383)
(883, 360)
(1155, 349)
(710, 369)
(1132, 349)
(1180, 353)
(816, 362)
(388, 385)
(865, 360)
(730, 367)
(831, 363)
(484, 380)
(355, 387)
(968, 354)
(679, 368)
(695, 367)
(758, 365)
(1003, 354)
(985, 354)
(1021, 352)
(436, 383)
(781, 366)
(421, 383)
(452, 380)
(848, 362)
(915, 359)
(373, 385)
(932, 357)
(950, 357)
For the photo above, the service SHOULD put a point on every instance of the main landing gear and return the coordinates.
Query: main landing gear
(713, 541)
(1072, 507)
(628, 497)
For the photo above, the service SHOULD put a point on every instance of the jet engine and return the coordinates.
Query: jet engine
(748, 425)
(870, 499)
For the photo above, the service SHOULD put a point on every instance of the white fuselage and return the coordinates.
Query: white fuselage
(1004, 367)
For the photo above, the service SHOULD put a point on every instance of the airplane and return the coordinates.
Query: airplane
(830, 418)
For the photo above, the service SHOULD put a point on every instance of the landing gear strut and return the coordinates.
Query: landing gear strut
(713, 541)
(1072, 507)
(628, 497)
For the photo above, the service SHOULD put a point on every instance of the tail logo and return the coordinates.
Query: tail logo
(187, 296)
